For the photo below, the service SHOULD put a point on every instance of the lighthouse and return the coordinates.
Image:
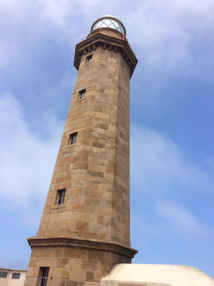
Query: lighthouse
(85, 225)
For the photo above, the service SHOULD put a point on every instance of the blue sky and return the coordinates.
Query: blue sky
(172, 120)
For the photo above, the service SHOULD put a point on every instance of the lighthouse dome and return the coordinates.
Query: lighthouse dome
(109, 21)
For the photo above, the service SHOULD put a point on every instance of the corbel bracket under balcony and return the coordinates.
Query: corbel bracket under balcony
(106, 42)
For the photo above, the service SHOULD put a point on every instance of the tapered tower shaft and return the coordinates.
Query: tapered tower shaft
(85, 226)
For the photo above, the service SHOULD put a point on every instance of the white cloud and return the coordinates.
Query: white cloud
(57, 12)
(168, 34)
(27, 159)
(171, 37)
(4, 57)
(159, 166)
(165, 35)
(180, 219)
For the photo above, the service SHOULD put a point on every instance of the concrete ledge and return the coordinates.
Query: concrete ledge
(82, 243)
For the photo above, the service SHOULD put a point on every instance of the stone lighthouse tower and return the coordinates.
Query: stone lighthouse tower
(85, 226)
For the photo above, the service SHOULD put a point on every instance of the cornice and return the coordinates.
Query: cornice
(107, 42)
(82, 243)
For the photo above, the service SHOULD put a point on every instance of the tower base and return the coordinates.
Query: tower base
(74, 262)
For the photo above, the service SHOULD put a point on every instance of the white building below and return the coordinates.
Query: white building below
(11, 277)
(156, 275)
(133, 275)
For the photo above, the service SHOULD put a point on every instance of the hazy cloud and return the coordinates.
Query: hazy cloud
(180, 219)
(27, 159)
(158, 165)
(170, 36)
(173, 41)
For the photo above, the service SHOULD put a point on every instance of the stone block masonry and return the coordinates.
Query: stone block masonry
(85, 226)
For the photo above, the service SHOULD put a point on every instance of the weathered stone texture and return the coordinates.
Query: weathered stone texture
(95, 173)
(72, 265)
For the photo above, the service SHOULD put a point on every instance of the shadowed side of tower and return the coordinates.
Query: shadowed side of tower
(85, 226)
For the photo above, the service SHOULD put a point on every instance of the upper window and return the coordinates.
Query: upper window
(44, 276)
(61, 197)
(89, 58)
(82, 94)
(73, 138)
(16, 275)
(3, 274)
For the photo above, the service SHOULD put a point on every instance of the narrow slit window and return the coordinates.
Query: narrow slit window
(16, 275)
(73, 138)
(89, 58)
(60, 197)
(82, 94)
(44, 276)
